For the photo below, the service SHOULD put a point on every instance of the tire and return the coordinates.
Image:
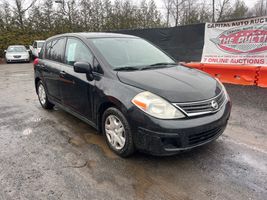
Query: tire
(42, 96)
(124, 150)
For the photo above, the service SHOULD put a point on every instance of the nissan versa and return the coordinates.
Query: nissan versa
(133, 92)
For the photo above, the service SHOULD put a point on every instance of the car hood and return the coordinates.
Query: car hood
(16, 53)
(176, 84)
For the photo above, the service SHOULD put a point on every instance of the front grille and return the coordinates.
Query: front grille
(202, 107)
(198, 138)
(16, 56)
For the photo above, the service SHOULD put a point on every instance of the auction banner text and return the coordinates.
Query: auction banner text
(241, 42)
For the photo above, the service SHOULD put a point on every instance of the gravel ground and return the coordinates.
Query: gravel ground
(53, 155)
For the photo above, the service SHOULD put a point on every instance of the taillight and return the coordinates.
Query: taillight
(36, 61)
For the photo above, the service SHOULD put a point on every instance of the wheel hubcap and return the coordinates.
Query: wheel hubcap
(41, 94)
(115, 132)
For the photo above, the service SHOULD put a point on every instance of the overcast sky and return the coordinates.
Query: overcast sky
(160, 4)
(249, 3)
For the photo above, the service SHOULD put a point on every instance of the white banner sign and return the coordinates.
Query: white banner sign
(241, 42)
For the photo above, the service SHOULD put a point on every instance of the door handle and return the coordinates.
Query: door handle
(62, 73)
(43, 67)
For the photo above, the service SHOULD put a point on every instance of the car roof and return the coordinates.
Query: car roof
(94, 35)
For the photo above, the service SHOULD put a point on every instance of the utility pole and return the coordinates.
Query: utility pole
(213, 10)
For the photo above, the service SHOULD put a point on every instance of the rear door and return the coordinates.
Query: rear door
(51, 66)
(76, 90)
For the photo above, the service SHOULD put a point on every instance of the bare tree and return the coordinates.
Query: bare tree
(205, 12)
(20, 10)
(85, 14)
(240, 10)
(168, 6)
(260, 8)
(48, 13)
(175, 11)
(6, 15)
(224, 9)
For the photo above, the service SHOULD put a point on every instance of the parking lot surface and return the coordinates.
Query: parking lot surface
(53, 155)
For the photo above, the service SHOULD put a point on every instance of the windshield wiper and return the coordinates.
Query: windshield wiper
(163, 63)
(157, 65)
(126, 68)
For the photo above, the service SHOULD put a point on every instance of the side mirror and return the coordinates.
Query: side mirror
(84, 67)
(5, 51)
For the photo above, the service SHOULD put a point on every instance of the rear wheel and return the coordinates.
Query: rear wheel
(42, 96)
(117, 132)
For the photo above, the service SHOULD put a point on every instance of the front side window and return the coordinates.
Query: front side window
(126, 52)
(40, 44)
(77, 51)
(55, 50)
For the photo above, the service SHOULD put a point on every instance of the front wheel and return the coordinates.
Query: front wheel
(117, 132)
(42, 96)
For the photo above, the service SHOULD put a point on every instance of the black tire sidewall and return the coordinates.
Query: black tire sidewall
(128, 148)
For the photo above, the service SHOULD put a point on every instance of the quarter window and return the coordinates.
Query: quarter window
(76, 50)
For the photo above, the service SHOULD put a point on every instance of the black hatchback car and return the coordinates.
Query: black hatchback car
(132, 91)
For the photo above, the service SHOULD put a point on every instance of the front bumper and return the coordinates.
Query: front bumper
(167, 137)
(21, 59)
(17, 60)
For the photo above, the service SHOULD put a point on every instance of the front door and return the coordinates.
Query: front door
(76, 90)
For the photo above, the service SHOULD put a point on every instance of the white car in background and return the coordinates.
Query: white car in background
(17, 53)
(36, 48)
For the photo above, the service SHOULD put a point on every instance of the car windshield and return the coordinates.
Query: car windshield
(40, 44)
(16, 49)
(131, 53)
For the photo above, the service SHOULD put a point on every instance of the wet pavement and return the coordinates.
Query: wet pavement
(53, 155)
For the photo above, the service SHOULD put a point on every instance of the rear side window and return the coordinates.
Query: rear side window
(76, 50)
(54, 50)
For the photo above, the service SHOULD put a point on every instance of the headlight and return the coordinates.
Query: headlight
(156, 106)
(223, 88)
